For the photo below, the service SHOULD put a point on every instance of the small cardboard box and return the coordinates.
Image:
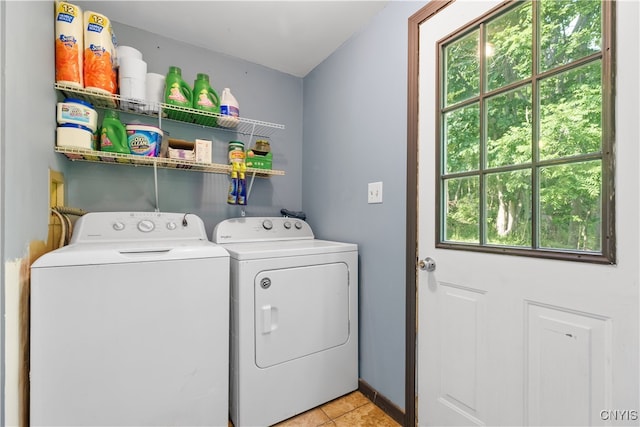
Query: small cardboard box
(259, 161)
(203, 151)
(180, 149)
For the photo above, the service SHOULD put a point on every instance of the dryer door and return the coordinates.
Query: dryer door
(300, 311)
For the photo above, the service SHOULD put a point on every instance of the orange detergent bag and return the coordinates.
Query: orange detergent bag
(69, 44)
(99, 53)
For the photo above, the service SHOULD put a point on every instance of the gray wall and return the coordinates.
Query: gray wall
(263, 94)
(29, 134)
(29, 123)
(354, 133)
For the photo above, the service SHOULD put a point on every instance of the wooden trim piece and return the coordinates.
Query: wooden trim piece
(56, 198)
(381, 401)
(411, 317)
(37, 248)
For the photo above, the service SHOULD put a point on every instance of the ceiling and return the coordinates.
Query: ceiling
(289, 36)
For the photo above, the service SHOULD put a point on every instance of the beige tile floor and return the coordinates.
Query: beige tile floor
(351, 410)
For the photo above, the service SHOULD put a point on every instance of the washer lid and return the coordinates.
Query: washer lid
(129, 252)
(280, 249)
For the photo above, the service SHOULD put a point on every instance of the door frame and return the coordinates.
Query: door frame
(415, 21)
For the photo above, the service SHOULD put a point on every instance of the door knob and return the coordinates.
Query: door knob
(428, 264)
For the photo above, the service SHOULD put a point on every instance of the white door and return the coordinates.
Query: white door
(508, 340)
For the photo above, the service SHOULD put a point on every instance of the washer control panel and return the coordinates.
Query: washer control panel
(119, 226)
(256, 229)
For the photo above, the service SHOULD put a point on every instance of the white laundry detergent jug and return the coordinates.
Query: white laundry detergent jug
(229, 109)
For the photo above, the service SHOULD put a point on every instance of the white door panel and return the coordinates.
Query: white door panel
(462, 336)
(508, 340)
(572, 348)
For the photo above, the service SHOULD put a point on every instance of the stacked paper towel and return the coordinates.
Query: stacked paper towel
(99, 53)
(132, 74)
(69, 44)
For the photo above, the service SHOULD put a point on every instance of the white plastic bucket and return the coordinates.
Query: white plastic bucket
(144, 140)
(79, 112)
(74, 136)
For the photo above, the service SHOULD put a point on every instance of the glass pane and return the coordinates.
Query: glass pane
(570, 213)
(462, 139)
(462, 69)
(509, 128)
(508, 47)
(508, 212)
(462, 210)
(571, 112)
(569, 30)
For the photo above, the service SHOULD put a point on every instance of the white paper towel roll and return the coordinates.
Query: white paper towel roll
(155, 87)
(124, 51)
(69, 44)
(132, 67)
(132, 76)
(154, 91)
(132, 88)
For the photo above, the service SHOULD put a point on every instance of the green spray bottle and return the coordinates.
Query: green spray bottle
(113, 134)
(206, 100)
(178, 94)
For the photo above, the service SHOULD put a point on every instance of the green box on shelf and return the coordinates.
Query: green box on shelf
(259, 161)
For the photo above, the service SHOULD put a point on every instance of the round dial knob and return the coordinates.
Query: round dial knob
(118, 226)
(298, 225)
(267, 224)
(146, 225)
(287, 225)
(171, 225)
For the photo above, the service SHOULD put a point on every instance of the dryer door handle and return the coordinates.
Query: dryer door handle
(269, 319)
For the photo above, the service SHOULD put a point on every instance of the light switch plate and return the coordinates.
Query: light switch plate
(374, 193)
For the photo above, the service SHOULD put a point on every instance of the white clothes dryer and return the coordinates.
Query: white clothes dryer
(130, 325)
(294, 318)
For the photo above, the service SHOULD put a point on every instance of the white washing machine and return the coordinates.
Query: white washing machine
(130, 325)
(294, 318)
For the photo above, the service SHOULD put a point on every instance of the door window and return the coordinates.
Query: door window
(525, 136)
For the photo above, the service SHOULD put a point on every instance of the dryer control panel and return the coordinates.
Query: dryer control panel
(123, 226)
(260, 229)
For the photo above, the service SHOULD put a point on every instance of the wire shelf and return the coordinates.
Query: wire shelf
(160, 162)
(103, 99)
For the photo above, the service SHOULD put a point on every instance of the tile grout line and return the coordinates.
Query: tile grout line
(345, 413)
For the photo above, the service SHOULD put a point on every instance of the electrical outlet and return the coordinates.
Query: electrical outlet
(374, 193)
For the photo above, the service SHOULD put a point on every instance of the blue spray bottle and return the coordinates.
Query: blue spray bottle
(242, 185)
(232, 198)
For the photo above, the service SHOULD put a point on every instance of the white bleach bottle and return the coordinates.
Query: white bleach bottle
(229, 109)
